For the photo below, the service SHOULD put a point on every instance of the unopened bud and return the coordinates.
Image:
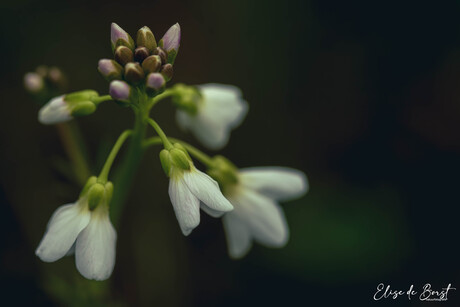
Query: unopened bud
(120, 90)
(167, 71)
(140, 54)
(145, 38)
(161, 53)
(134, 73)
(123, 55)
(110, 69)
(152, 64)
(155, 82)
(33, 82)
(55, 75)
(120, 37)
(171, 41)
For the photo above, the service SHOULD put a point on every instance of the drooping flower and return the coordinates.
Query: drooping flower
(257, 216)
(85, 226)
(190, 189)
(217, 110)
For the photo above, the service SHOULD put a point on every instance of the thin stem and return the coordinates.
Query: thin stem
(160, 133)
(167, 93)
(108, 163)
(73, 144)
(100, 99)
(198, 154)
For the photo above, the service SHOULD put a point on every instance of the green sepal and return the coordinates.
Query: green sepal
(165, 159)
(83, 108)
(172, 56)
(224, 172)
(122, 42)
(180, 159)
(91, 180)
(80, 96)
(95, 195)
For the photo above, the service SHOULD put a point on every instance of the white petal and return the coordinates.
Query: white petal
(63, 228)
(238, 237)
(211, 212)
(280, 183)
(96, 247)
(221, 110)
(263, 217)
(55, 111)
(207, 190)
(185, 204)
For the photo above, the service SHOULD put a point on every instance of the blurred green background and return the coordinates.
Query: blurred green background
(363, 96)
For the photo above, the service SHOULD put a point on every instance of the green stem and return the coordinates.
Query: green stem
(198, 154)
(74, 147)
(160, 132)
(167, 93)
(108, 163)
(124, 175)
(100, 99)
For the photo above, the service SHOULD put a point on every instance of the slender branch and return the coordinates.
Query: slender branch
(108, 163)
(160, 132)
(100, 99)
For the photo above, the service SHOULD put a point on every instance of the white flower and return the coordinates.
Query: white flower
(187, 188)
(257, 215)
(91, 234)
(57, 110)
(220, 110)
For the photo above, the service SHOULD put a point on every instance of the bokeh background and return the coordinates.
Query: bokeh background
(363, 96)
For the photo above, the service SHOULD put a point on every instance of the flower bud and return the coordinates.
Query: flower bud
(134, 73)
(56, 76)
(110, 69)
(171, 41)
(161, 53)
(57, 110)
(33, 82)
(120, 90)
(167, 71)
(120, 37)
(145, 38)
(140, 54)
(152, 64)
(123, 55)
(155, 82)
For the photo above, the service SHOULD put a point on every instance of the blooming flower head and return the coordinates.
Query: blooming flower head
(84, 225)
(215, 111)
(191, 189)
(254, 194)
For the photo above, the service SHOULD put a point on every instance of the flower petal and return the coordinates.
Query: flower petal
(63, 228)
(185, 204)
(280, 183)
(238, 236)
(55, 111)
(263, 217)
(95, 248)
(211, 212)
(207, 190)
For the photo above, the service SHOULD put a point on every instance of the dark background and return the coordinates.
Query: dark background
(363, 96)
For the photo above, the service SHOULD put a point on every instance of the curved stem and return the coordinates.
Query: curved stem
(167, 93)
(100, 99)
(108, 163)
(160, 132)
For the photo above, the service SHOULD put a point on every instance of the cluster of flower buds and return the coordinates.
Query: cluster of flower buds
(45, 81)
(144, 63)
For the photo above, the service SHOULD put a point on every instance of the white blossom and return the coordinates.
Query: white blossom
(57, 110)
(189, 188)
(220, 110)
(90, 234)
(257, 215)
